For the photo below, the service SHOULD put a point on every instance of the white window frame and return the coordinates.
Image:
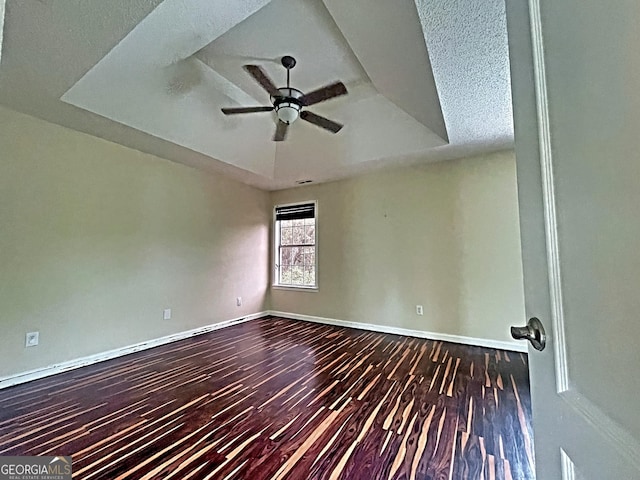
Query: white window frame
(276, 249)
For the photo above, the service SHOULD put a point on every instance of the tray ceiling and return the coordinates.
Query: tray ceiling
(160, 86)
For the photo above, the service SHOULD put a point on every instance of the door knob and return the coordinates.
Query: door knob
(534, 332)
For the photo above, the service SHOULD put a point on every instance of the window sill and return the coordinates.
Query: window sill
(294, 289)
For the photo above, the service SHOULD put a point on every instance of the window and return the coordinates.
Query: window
(295, 245)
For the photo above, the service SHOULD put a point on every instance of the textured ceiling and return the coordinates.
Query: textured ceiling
(153, 75)
(468, 47)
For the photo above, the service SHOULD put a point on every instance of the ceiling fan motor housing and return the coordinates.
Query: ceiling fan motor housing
(287, 104)
(288, 62)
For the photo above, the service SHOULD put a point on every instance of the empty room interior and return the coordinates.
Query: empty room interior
(261, 240)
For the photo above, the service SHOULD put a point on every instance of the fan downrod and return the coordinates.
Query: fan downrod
(288, 62)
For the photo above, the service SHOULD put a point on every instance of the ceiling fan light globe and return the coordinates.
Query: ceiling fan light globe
(288, 112)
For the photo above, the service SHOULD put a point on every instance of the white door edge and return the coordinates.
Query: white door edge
(549, 198)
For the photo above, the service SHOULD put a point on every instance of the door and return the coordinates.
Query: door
(576, 90)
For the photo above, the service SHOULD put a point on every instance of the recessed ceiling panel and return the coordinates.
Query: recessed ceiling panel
(153, 75)
(303, 29)
(174, 71)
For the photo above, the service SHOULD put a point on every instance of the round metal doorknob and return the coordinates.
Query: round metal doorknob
(534, 332)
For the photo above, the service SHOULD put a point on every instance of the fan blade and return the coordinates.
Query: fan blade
(258, 74)
(321, 121)
(324, 93)
(236, 110)
(281, 131)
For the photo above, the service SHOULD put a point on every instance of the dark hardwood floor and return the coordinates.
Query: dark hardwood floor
(282, 399)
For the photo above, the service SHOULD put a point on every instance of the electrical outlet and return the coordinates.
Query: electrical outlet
(419, 310)
(166, 314)
(32, 339)
(238, 301)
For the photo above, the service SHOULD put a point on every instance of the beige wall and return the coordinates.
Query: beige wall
(96, 239)
(444, 235)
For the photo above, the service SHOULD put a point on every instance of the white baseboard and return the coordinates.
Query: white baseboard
(30, 375)
(477, 342)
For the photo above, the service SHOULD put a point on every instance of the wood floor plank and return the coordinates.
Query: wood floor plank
(278, 399)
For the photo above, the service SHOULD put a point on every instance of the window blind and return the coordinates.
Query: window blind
(296, 212)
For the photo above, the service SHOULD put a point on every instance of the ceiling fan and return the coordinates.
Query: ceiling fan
(289, 103)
